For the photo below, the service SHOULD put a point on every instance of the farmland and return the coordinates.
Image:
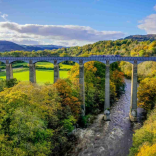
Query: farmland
(44, 72)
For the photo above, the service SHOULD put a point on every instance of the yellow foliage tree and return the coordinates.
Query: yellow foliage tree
(144, 139)
(147, 150)
(147, 93)
(28, 116)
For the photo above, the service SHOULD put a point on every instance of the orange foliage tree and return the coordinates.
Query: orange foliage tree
(68, 96)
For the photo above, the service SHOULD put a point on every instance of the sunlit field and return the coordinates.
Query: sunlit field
(42, 75)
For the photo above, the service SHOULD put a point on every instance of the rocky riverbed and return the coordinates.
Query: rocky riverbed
(111, 138)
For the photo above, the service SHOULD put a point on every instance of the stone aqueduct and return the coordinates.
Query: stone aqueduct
(81, 60)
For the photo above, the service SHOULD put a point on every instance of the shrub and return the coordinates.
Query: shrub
(68, 123)
(145, 137)
(11, 82)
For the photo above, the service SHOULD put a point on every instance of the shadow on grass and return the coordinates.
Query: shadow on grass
(20, 70)
(3, 73)
(42, 69)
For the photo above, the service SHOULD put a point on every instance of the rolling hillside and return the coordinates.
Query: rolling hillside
(148, 37)
(10, 46)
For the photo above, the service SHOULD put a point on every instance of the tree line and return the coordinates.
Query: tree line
(125, 47)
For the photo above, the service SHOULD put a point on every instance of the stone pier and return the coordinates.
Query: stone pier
(32, 72)
(56, 71)
(82, 87)
(9, 72)
(133, 109)
(107, 93)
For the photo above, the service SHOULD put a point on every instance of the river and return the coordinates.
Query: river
(111, 138)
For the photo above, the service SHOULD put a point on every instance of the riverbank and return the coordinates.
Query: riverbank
(111, 138)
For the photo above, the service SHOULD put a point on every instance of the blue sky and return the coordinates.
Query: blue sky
(70, 23)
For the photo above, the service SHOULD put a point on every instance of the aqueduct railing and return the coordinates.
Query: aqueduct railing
(81, 60)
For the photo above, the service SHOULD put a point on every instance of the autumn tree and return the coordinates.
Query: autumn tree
(94, 85)
(69, 96)
(118, 78)
(147, 93)
(31, 120)
(144, 139)
(147, 150)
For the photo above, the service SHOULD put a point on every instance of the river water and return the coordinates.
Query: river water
(111, 138)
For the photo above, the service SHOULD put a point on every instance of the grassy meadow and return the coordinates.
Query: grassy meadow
(44, 72)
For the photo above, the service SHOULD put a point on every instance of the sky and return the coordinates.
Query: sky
(74, 22)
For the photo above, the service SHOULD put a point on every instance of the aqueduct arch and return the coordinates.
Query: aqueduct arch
(81, 60)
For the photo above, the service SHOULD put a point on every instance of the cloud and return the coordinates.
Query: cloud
(148, 24)
(65, 32)
(155, 7)
(71, 34)
(4, 16)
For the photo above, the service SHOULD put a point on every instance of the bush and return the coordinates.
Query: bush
(11, 82)
(68, 123)
(2, 85)
(145, 137)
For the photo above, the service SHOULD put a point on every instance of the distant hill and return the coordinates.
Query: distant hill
(123, 47)
(41, 47)
(148, 37)
(10, 46)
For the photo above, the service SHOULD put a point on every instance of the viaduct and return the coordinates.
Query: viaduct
(81, 60)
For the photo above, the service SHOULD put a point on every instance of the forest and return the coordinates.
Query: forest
(118, 47)
(39, 119)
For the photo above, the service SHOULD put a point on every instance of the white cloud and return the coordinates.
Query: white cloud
(148, 24)
(4, 16)
(155, 7)
(62, 34)
(65, 32)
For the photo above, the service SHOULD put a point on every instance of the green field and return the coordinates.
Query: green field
(42, 75)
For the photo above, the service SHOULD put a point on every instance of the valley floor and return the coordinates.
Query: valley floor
(42, 75)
